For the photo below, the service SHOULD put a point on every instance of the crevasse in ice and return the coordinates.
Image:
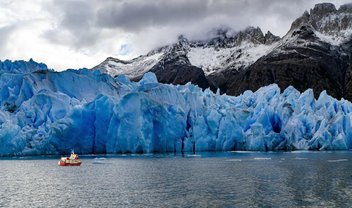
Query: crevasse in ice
(47, 112)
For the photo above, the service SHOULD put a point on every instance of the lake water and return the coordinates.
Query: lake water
(233, 179)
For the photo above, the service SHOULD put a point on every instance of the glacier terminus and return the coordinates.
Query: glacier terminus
(48, 112)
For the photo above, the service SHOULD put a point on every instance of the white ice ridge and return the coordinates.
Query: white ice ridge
(48, 112)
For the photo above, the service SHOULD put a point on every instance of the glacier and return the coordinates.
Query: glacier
(48, 112)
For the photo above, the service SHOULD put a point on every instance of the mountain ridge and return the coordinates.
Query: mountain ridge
(316, 50)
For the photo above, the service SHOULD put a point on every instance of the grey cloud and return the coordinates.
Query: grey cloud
(80, 23)
(135, 15)
(78, 15)
(5, 32)
(76, 23)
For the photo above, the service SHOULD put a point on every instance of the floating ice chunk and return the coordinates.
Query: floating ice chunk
(338, 160)
(262, 158)
(301, 158)
(234, 160)
(100, 160)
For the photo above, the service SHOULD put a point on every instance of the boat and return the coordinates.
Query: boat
(73, 160)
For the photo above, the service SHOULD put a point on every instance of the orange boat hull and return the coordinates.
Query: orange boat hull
(63, 163)
(69, 164)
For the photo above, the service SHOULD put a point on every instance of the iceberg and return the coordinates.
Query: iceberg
(48, 112)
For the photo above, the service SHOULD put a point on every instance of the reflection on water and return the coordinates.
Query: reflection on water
(240, 179)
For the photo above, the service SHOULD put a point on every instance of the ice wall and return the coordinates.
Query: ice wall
(47, 112)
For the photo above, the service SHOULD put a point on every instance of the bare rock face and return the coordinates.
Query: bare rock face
(347, 93)
(318, 67)
(346, 8)
(269, 38)
(179, 73)
(322, 10)
(175, 67)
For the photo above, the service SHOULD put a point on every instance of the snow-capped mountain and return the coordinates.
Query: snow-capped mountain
(315, 53)
(328, 24)
(222, 52)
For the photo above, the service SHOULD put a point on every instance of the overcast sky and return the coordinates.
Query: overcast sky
(75, 34)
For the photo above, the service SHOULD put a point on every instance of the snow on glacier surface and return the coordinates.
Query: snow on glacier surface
(47, 112)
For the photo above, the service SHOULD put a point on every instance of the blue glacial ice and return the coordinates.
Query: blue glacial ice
(48, 112)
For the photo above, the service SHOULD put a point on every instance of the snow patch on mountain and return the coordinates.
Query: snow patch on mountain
(213, 60)
(335, 28)
(336, 40)
(133, 68)
(332, 39)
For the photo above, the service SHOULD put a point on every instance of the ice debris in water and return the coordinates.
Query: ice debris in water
(47, 112)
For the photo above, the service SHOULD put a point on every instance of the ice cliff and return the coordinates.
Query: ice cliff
(47, 112)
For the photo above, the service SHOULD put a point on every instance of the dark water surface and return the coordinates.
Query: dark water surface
(235, 179)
